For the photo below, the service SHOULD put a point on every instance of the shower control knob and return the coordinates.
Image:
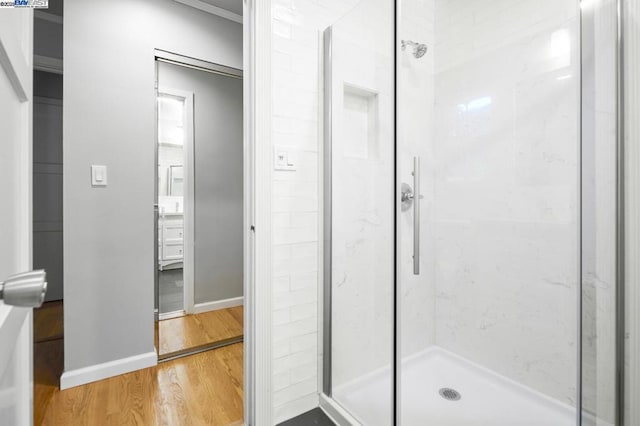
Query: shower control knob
(406, 196)
(25, 290)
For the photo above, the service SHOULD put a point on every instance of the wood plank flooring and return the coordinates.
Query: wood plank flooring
(202, 389)
(197, 331)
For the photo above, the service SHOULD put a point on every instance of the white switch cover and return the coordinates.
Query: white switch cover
(284, 158)
(98, 175)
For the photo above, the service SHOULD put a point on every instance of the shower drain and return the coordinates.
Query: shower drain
(450, 394)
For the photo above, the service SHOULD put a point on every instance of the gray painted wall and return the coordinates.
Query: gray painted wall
(109, 119)
(218, 178)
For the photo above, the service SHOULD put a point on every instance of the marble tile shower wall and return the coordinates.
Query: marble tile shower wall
(507, 108)
(363, 208)
(415, 126)
(296, 44)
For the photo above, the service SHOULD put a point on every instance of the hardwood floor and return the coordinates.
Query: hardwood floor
(48, 350)
(193, 332)
(201, 389)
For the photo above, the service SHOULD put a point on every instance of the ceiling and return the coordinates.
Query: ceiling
(234, 6)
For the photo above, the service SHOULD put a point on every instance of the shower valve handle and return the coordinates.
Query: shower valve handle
(407, 195)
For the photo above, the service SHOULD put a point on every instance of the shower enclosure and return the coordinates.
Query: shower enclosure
(469, 224)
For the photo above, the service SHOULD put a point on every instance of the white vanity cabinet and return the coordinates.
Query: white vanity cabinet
(171, 240)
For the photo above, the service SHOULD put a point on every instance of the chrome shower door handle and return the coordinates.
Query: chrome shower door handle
(26, 290)
(416, 216)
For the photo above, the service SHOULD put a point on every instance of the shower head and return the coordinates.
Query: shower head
(419, 49)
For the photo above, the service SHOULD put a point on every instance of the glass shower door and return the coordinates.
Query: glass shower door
(359, 212)
(488, 156)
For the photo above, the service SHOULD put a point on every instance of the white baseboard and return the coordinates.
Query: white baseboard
(199, 308)
(97, 372)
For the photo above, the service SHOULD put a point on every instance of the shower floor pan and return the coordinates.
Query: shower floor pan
(485, 397)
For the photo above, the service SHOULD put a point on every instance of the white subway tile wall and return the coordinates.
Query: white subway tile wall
(296, 61)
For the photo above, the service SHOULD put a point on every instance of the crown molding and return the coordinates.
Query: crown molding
(214, 10)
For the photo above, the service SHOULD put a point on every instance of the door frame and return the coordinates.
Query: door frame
(189, 305)
(257, 232)
(258, 157)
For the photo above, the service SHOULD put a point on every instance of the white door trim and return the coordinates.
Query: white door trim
(188, 257)
(258, 153)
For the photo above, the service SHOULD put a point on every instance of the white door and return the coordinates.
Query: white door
(16, 53)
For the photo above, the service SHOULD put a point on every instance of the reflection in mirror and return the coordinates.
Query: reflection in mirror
(172, 110)
(176, 179)
(199, 110)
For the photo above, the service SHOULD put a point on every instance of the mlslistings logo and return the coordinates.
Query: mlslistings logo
(34, 4)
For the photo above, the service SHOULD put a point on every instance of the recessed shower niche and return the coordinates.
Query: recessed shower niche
(360, 122)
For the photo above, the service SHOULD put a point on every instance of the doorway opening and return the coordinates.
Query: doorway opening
(199, 205)
(47, 198)
(110, 137)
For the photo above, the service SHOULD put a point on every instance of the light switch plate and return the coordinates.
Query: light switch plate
(98, 175)
(284, 158)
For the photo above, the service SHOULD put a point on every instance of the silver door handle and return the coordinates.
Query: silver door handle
(416, 215)
(26, 289)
